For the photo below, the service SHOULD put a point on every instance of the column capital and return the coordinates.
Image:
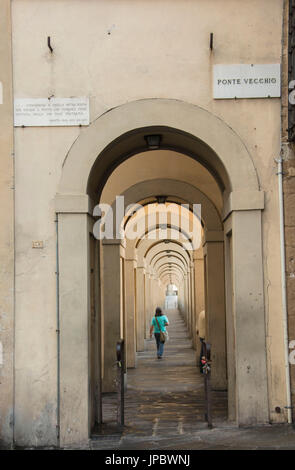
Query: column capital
(116, 246)
(114, 241)
(73, 203)
(140, 267)
(213, 236)
(243, 201)
(131, 260)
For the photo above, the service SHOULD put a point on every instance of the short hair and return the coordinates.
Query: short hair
(158, 312)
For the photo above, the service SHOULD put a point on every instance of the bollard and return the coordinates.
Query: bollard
(120, 381)
(207, 384)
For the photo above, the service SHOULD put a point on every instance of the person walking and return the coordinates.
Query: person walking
(159, 323)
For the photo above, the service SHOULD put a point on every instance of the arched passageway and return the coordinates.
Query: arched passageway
(109, 289)
(164, 399)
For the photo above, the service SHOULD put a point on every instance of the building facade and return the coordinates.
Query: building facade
(167, 124)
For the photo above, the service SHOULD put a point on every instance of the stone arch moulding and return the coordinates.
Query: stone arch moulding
(184, 127)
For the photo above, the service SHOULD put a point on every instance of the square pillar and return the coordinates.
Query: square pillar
(154, 295)
(186, 302)
(130, 309)
(73, 236)
(249, 318)
(199, 281)
(193, 312)
(140, 306)
(188, 278)
(215, 307)
(113, 309)
(230, 323)
(149, 305)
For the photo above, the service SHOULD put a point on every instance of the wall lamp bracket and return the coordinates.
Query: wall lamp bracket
(161, 199)
(153, 141)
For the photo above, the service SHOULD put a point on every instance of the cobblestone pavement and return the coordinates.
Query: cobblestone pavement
(164, 406)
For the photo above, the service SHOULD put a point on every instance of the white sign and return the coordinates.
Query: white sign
(247, 81)
(51, 112)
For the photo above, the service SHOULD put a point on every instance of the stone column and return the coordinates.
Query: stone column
(113, 310)
(73, 235)
(192, 321)
(230, 322)
(199, 290)
(130, 312)
(184, 302)
(180, 298)
(215, 307)
(140, 306)
(187, 306)
(161, 301)
(189, 302)
(249, 318)
(148, 305)
(193, 293)
(155, 293)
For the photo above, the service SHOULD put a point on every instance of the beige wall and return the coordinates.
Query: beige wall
(114, 52)
(7, 230)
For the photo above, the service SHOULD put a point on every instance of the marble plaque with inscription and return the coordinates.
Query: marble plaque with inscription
(246, 81)
(51, 112)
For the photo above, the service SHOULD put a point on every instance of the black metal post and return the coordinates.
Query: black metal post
(207, 384)
(120, 381)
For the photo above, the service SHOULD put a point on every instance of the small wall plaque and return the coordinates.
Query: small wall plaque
(51, 112)
(37, 244)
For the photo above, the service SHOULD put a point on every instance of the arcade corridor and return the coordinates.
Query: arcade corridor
(164, 399)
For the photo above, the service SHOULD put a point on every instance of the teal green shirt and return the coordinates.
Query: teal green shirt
(162, 319)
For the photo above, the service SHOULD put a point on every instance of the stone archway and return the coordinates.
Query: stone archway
(187, 127)
(109, 140)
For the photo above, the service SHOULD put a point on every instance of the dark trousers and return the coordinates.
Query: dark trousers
(160, 345)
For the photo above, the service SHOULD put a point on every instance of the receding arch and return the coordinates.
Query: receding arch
(167, 243)
(175, 253)
(166, 258)
(173, 188)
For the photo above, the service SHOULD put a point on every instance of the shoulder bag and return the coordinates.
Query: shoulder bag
(163, 334)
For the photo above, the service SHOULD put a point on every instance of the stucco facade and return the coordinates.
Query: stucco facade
(143, 65)
(7, 230)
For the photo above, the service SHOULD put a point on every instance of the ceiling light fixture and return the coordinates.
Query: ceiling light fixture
(153, 141)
